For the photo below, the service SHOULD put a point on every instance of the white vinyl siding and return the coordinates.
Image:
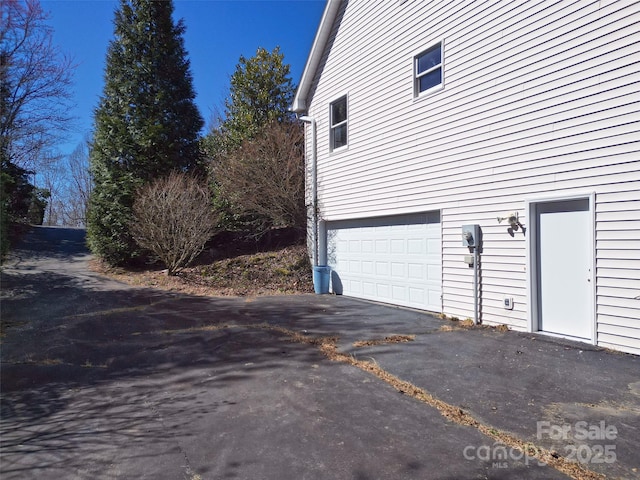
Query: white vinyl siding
(618, 268)
(541, 99)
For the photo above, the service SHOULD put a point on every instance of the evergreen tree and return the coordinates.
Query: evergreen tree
(245, 163)
(260, 93)
(146, 124)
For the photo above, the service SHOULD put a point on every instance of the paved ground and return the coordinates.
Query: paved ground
(101, 380)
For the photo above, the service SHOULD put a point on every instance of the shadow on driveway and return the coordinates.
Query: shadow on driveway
(102, 380)
(133, 383)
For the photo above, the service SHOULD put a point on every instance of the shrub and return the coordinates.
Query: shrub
(262, 181)
(173, 218)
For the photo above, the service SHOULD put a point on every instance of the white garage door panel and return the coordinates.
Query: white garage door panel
(395, 260)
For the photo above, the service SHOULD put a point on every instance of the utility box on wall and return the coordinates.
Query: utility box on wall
(471, 235)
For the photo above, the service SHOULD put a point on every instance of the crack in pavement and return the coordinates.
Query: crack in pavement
(189, 472)
(328, 347)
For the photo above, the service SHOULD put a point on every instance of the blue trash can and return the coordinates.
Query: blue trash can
(321, 276)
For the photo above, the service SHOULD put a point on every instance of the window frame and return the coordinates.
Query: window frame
(345, 123)
(418, 75)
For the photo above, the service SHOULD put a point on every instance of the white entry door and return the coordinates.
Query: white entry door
(395, 260)
(564, 268)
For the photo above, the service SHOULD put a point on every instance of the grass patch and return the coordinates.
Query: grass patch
(467, 324)
(89, 364)
(385, 340)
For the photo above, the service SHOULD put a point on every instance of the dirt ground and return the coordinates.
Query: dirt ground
(276, 271)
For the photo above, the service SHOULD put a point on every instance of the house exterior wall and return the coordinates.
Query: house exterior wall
(540, 100)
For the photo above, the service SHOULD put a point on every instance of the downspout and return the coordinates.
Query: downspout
(314, 188)
(476, 292)
(472, 238)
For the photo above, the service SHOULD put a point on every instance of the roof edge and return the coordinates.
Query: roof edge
(315, 55)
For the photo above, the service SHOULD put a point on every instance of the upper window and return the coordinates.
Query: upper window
(428, 69)
(339, 123)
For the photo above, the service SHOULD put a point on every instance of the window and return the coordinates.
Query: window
(428, 69)
(339, 123)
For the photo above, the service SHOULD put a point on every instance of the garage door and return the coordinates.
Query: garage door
(393, 259)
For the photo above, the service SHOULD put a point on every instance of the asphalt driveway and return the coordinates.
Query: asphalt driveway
(103, 380)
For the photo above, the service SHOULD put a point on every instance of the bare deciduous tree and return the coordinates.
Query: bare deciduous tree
(79, 186)
(68, 180)
(35, 80)
(173, 218)
(52, 178)
(264, 177)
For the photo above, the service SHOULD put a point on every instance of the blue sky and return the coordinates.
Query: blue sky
(217, 33)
